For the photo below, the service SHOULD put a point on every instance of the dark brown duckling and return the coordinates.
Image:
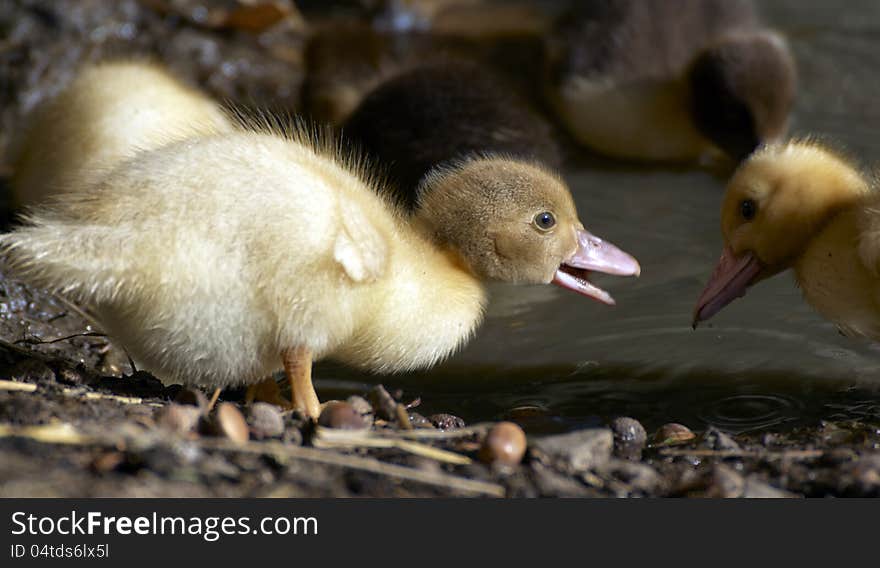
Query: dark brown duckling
(670, 80)
(439, 114)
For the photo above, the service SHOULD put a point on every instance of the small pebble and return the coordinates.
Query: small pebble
(362, 407)
(419, 421)
(446, 421)
(629, 437)
(74, 377)
(718, 440)
(192, 397)
(673, 433)
(107, 461)
(230, 423)
(178, 418)
(505, 444)
(265, 420)
(342, 415)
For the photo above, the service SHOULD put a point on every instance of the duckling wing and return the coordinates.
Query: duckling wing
(359, 248)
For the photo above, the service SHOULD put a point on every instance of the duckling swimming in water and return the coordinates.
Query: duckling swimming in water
(218, 259)
(800, 206)
(437, 115)
(107, 113)
(670, 80)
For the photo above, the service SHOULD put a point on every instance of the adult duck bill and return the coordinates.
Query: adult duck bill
(594, 255)
(730, 280)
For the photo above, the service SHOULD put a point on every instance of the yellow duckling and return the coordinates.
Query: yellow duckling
(106, 114)
(216, 260)
(670, 80)
(800, 206)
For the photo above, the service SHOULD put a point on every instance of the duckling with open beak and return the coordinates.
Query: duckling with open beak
(221, 258)
(800, 206)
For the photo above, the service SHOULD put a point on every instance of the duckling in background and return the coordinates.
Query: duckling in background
(800, 206)
(670, 80)
(107, 113)
(440, 116)
(207, 285)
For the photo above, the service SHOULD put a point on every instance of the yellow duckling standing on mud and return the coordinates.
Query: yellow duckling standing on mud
(107, 113)
(799, 206)
(220, 258)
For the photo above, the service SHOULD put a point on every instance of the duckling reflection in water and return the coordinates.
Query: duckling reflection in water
(803, 207)
(219, 258)
(670, 80)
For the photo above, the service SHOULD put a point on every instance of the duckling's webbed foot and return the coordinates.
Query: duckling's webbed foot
(298, 367)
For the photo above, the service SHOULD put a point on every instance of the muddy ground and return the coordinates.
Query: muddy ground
(76, 419)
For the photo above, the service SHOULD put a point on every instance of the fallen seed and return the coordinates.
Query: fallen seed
(178, 418)
(342, 415)
(230, 423)
(673, 433)
(504, 444)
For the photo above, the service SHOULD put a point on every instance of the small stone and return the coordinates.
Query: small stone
(629, 437)
(362, 407)
(637, 476)
(673, 433)
(725, 483)
(230, 423)
(178, 418)
(504, 444)
(419, 421)
(73, 377)
(577, 451)
(384, 405)
(446, 421)
(717, 440)
(192, 397)
(757, 488)
(108, 461)
(265, 420)
(341, 415)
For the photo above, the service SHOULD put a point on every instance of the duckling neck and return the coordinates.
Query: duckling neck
(835, 280)
(425, 307)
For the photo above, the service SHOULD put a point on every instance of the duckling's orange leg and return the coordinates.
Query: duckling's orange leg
(298, 367)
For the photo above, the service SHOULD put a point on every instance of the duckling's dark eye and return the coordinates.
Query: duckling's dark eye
(545, 221)
(748, 209)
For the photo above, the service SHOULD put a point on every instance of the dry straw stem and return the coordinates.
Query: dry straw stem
(332, 438)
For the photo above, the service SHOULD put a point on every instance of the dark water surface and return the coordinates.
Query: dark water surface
(555, 361)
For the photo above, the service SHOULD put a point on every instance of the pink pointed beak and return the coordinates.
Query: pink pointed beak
(594, 255)
(730, 280)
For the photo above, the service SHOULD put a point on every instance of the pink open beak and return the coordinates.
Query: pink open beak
(594, 255)
(731, 278)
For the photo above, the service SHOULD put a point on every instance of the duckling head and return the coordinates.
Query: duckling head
(515, 222)
(775, 203)
(742, 90)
